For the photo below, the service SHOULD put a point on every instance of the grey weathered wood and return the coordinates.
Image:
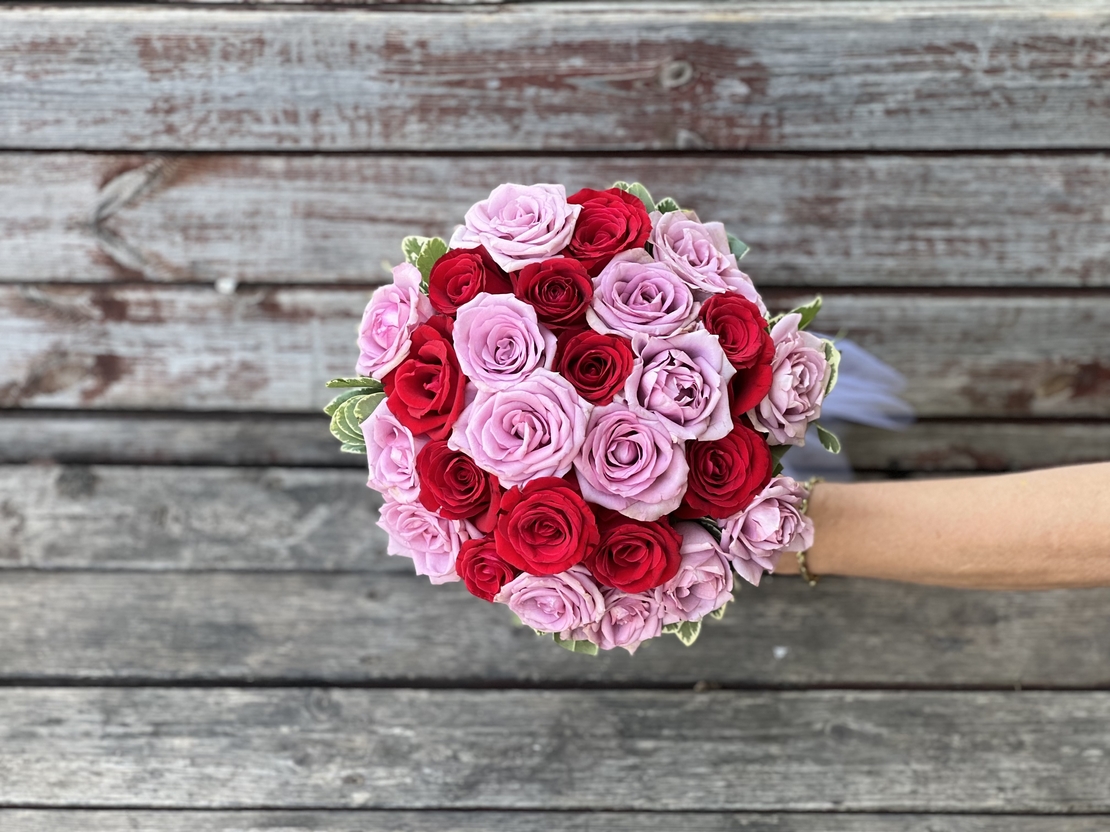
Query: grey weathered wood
(965, 220)
(646, 750)
(398, 629)
(189, 518)
(192, 348)
(53, 820)
(610, 76)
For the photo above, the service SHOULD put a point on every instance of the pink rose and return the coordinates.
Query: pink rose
(564, 603)
(704, 580)
(628, 620)
(699, 254)
(630, 463)
(519, 224)
(499, 341)
(800, 373)
(432, 542)
(533, 429)
(634, 294)
(773, 523)
(391, 453)
(387, 324)
(683, 380)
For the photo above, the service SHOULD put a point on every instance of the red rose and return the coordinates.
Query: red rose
(452, 484)
(460, 275)
(545, 527)
(426, 391)
(482, 571)
(749, 387)
(611, 221)
(558, 289)
(740, 326)
(635, 556)
(726, 474)
(596, 364)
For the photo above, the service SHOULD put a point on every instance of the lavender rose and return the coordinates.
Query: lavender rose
(431, 541)
(634, 294)
(628, 620)
(684, 381)
(773, 523)
(699, 253)
(704, 580)
(519, 224)
(499, 341)
(564, 603)
(800, 374)
(534, 429)
(387, 324)
(391, 453)
(630, 463)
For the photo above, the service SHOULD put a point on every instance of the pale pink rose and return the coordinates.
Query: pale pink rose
(391, 451)
(756, 537)
(800, 376)
(704, 580)
(629, 463)
(519, 224)
(500, 342)
(634, 294)
(628, 620)
(683, 380)
(431, 541)
(564, 603)
(392, 314)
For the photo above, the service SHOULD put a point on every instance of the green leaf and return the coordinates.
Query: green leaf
(688, 632)
(738, 248)
(353, 447)
(779, 451)
(828, 439)
(719, 613)
(333, 405)
(411, 246)
(671, 629)
(586, 647)
(348, 417)
(808, 312)
(431, 251)
(639, 191)
(358, 381)
(666, 205)
(777, 470)
(832, 355)
(710, 526)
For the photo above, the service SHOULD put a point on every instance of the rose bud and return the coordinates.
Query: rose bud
(725, 474)
(740, 326)
(611, 221)
(558, 289)
(461, 275)
(597, 364)
(482, 571)
(633, 555)
(545, 527)
(453, 485)
(427, 391)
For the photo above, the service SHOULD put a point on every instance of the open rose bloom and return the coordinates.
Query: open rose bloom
(576, 409)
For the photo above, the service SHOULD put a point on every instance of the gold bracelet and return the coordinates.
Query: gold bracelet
(803, 569)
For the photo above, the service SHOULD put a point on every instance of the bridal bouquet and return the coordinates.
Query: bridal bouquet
(577, 407)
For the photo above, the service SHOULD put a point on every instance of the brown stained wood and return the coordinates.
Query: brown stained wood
(389, 629)
(648, 750)
(47, 820)
(801, 76)
(272, 349)
(1018, 220)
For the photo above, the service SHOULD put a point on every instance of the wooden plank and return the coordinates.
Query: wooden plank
(48, 820)
(192, 348)
(531, 77)
(388, 629)
(966, 220)
(646, 750)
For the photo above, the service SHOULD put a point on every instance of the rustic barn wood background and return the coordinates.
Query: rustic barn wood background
(199, 630)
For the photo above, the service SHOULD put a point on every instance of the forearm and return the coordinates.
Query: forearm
(1030, 530)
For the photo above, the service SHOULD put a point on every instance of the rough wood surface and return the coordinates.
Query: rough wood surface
(646, 750)
(1018, 221)
(191, 348)
(379, 629)
(48, 820)
(531, 77)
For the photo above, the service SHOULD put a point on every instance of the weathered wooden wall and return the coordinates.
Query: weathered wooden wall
(199, 628)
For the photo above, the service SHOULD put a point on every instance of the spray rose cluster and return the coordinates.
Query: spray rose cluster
(577, 408)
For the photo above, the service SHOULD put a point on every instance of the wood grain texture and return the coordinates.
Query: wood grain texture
(1017, 221)
(271, 349)
(48, 820)
(389, 629)
(532, 77)
(647, 750)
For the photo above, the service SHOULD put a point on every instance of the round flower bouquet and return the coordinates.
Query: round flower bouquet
(577, 408)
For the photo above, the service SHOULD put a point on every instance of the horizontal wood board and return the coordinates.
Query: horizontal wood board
(533, 77)
(1017, 221)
